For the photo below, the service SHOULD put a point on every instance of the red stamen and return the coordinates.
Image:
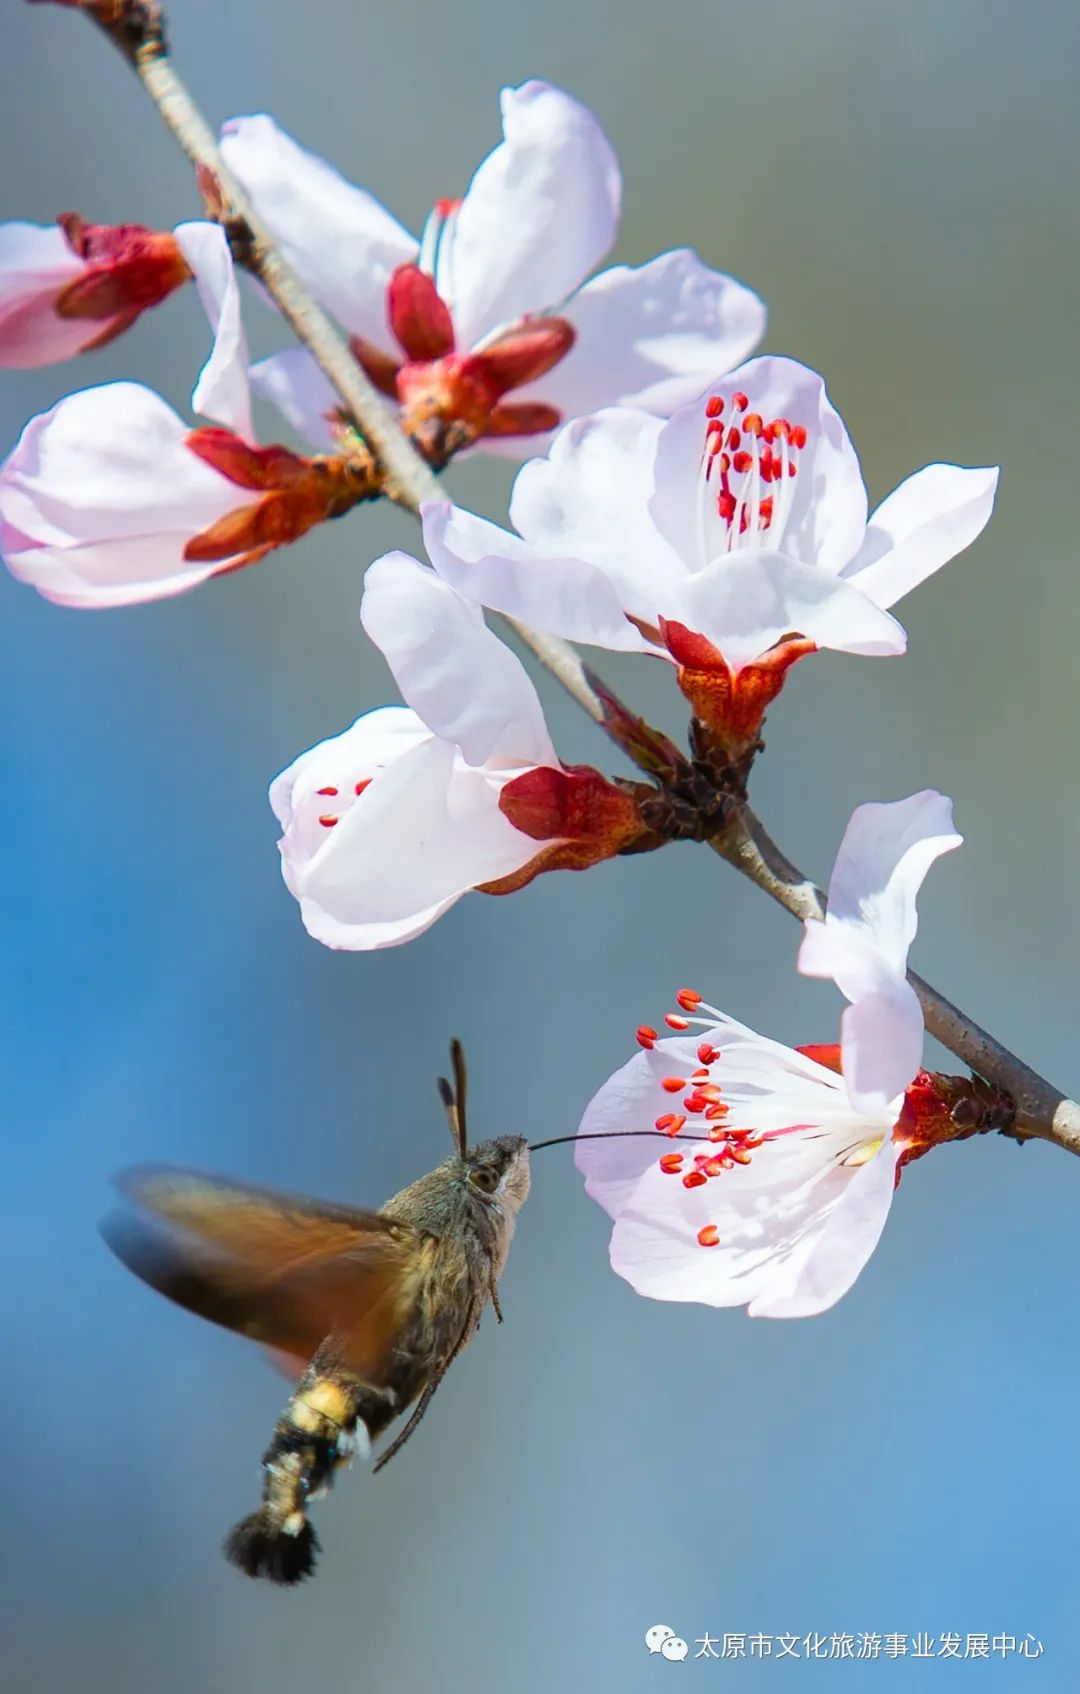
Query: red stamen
(688, 999)
(709, 1236)
(673, 1084)
(673, 1021)
(713, 406)
(671, 1163)
(330, 790)
(694, 1179)
(646, 1036)
(328, 820)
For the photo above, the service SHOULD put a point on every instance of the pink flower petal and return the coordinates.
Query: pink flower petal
(562, 596)
(340, 241)
(923, 524)
(100, 496)
(222, 391)
(885, 854)
(36, 264)
(653, 336)
(540, 213)
(465, 684)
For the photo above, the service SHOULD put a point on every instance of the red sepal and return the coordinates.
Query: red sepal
(418, 316)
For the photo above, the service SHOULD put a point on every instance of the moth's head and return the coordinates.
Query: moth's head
(496, 1172)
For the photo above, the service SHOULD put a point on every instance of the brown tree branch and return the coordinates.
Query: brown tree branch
(136, 27)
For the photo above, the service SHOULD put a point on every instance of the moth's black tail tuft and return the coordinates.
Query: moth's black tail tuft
(259, 1546)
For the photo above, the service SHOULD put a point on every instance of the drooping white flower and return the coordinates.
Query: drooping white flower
(492, 301)
(111, 498)
(778, 1187)
(387, 824)
(715, 537)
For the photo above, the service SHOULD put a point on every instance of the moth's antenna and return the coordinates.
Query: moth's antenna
(453, 1098)
(457, 1060)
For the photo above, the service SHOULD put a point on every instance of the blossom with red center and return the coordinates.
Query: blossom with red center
(387, 824)
(787, 1158)
(486, 328)
(69, 287)
(111, 498)
(730, 539)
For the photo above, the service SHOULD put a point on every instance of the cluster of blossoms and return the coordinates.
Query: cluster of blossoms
(684, 501)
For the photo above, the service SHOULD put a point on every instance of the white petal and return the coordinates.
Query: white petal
(337, 238)
(36, 263)
(461, 680)
(885, 854)
(100, 496)
(540, 213)
(632, 1099)
(841, 1249)
(923, 524)
(422, 833)
(590, 500)
(221, 392)
(302, 394)
(769, 1216)
(881, 1045)
(562, 596)
(745, 602)
(653, 337)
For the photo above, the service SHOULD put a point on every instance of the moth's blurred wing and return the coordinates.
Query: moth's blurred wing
(283, 1270)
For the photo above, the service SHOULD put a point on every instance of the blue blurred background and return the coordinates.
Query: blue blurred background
(900, 183)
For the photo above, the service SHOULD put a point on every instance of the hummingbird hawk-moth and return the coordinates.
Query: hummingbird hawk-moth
(367, 1309)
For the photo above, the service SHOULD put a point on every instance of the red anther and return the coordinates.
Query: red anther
(781, 429)
(693, 1103)
(671, 1163)
(713, 1166)
(716, 1110)
(710, 1094)
(694, 1179)
(753, 1141)
(327, 820)
(752, 423)
(707, 1053)
(713, 406)
(330, 790)
(739, 401)
(709, 1236)
(677, 1122)
(717, 1132)
(792, 469)
(646, 1035)
(673, 1021)
(366, 783)
(701, 1159)
(665, 1121)
(725, 505)
(444, 207)
(700, 1076)
(728, 1162)
(689, 999)
(798, 436)
(742, 462)
(673, 1084)
(734, 438)
(740, 1155)
(765, 512)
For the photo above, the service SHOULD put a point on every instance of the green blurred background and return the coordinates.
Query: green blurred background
(900, 182)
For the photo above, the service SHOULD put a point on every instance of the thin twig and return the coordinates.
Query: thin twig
(135, 26)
